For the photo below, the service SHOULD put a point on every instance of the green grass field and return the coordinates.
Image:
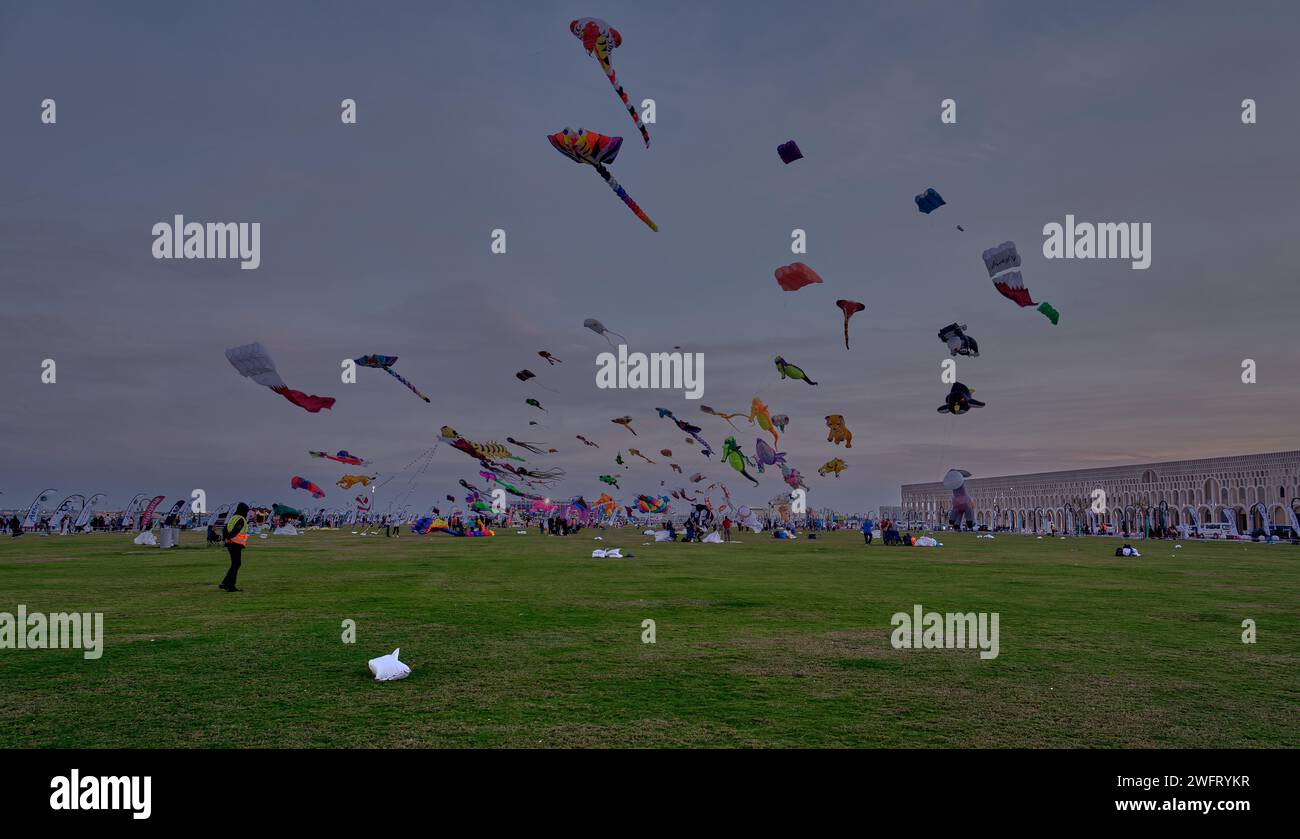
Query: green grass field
(525, 641)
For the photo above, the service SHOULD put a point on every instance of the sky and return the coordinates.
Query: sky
(376, 237)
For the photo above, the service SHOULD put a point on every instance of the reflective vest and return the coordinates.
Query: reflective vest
(240, 538)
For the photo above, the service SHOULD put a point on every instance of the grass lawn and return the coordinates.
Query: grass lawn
(525, 641)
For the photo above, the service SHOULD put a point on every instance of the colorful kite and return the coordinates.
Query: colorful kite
(765, 455)
(849, 308)
(601, 330)
(302, 483)
(959, 343)
(637, 453)
(664, 452)
(609, 479)
(1001, 262)
(735, 458)
(342, 457)
(595, 150)
(832, 467)
(599, 39)
(254, 362)
(385, 363)
(781, 421)
(790, 371)
(792, 477)
(626, 422)
(534, 403)
(795, 276)
(724, 416)
(789, 152)
(959, 400)
(758, 413)
(652, 505)
(349, 481)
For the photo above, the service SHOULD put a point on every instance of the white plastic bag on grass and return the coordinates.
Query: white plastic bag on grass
(387, 668)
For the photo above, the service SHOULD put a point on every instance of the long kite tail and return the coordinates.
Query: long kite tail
(618, 88)
(403, 380)
(627, 199)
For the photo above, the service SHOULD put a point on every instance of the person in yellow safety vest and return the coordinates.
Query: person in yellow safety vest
(235, 535)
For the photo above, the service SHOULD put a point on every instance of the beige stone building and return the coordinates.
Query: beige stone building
(1242, 493)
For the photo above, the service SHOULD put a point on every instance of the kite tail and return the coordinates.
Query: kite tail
(627, 199)
(618, 88)
(403, 380)
(1050, 312)
(846, 333)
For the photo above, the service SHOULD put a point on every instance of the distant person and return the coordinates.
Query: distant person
(867, 526)
(15, 527)
(726, 528)
(235, 536)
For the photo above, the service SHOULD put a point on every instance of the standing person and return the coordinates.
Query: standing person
(867, 526)
(235, 535)
(726, 528)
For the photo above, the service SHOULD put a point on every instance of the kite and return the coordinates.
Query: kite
(550, 359)
(302, 483)
(637, 453)
(534, 403)
(839, 432)
(385, 363)
(789, 152)
(676, 468)
(532, 447)
(588, 442)
(706, 409)
(609, 479)
(734, 457)
(849, 308)
(792, 477)
(795, 276)
(758, 412)
(618, 458)
(525, 375)
(693, 430)
(254, 362)
(349, 481)
(595, 150)
(959, 343)
(599, 39)
(626, 422)
(601, 330)
(959, 399)
(765, 455)
(781, 421)
(652, 505)
(929, 201)
(835, 467)
(1000, 262)
(696, 478)
(341, 457)
(788, 370)
(664, 452)
(963, 506)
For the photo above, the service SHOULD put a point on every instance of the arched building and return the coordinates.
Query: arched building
(1244, 492)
